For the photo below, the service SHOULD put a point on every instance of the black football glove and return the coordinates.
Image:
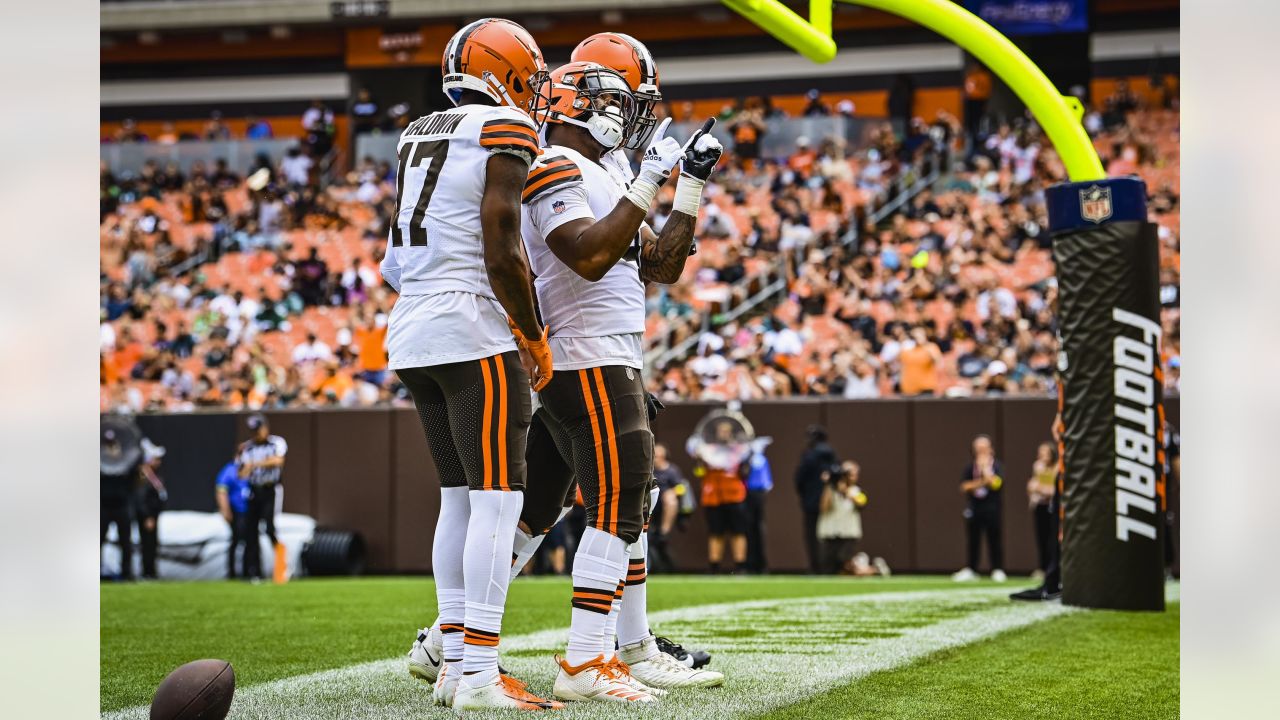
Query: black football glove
(653, 405)
(702, 152)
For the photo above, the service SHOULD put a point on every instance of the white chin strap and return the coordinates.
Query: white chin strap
(605, 129)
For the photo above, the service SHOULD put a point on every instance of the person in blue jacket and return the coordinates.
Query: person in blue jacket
(233, 502)
(759, 483)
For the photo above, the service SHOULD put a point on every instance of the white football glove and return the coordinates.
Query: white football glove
(660, 158)
(701, 153)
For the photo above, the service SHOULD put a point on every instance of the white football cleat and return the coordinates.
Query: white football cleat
(632, 680)
(426, 655)
(964, 575)
(999, 576)
(661, 671)
(503, 692)
(596, 681)
(446, 685)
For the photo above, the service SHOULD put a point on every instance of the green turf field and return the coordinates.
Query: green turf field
(791, 647)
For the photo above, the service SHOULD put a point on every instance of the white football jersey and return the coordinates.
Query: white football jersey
(592, 323)
(619, 162)
(435, 247)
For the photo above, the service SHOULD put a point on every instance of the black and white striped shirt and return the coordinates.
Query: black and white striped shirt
(252, 451)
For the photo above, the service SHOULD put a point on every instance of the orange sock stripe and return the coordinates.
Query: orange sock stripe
(595, 606)
(595, 434)
(481, 642)
(447, 628)
(592, 595)
(486, 426)
(615, 476)
(636, 572)
(501, 432)
(482, 638)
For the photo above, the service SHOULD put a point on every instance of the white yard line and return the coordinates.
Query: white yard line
(773, 652)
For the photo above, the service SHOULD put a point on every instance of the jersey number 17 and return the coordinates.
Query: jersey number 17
(422, 158)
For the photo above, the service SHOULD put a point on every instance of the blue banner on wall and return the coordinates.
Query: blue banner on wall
(1033, 17)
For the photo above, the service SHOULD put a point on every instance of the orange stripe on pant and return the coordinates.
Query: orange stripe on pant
(615, 483)
(501, 430)
(595, 433)
(486, 426)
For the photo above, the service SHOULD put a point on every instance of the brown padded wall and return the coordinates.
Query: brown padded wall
(353, 471)
(942, 434)
(875, 435)
(1024, 424)
(370, 471)
(416, 495)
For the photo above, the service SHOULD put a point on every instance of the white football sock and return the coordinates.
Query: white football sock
(494, 514)
(525, 546)
(598, 567)
(633, 615)
(610, 645)
(446, 566)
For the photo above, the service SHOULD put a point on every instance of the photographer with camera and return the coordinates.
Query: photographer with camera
(840, 517)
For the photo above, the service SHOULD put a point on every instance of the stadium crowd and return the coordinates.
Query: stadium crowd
(263, 291)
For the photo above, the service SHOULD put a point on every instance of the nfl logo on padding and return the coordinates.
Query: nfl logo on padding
(558, 206)
(1095, 203)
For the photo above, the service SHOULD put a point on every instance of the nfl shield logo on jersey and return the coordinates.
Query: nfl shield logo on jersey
(557, 206)
(1095, 203)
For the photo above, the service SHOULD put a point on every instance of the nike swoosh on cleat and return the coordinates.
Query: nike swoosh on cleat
(435, 662)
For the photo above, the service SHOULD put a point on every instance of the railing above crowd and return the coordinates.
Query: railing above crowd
(240, 155)
(778, 139)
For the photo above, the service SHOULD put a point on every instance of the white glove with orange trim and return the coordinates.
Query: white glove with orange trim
(535, 356)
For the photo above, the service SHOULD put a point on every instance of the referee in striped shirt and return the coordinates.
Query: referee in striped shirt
(260, 460)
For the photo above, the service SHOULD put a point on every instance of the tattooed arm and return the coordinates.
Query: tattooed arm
(663, 255)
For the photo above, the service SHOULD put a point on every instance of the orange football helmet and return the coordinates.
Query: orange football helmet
(500, 59)
(632, 60)
(593, 97)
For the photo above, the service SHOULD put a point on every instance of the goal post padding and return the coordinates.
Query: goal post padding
(1107, 259)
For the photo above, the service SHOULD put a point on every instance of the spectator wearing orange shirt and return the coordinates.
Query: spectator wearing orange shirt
(802, 162)
(920, 364)
(336, 386)
(372, 357)
(748, 128)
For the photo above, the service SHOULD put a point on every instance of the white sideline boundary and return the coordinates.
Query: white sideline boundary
(774, 653)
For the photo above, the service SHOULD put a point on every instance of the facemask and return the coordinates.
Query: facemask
(606, 126)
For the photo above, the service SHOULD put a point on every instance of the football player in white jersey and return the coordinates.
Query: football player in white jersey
(638, 647)
(548, 455)
(464, 337)
(591, 255)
